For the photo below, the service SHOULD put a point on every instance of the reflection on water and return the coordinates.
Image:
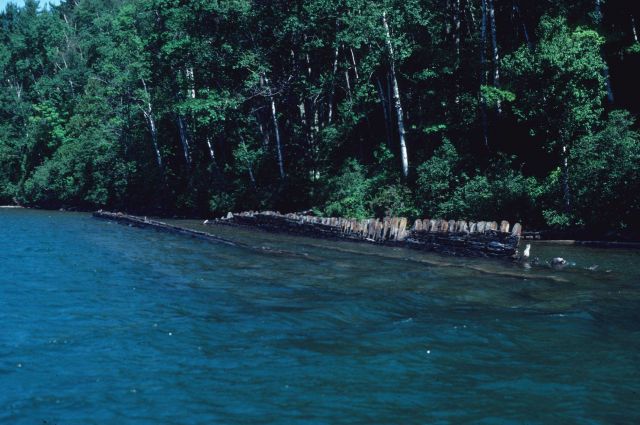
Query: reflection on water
(103, 324)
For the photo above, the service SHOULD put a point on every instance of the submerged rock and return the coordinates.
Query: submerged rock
(558, 262)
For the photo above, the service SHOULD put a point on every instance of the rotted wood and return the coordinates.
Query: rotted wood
(144, 222)
(484, 238)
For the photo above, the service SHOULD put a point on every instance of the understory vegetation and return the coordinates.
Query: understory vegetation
(459, 109)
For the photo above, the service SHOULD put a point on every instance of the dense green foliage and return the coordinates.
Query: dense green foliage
(505, 109)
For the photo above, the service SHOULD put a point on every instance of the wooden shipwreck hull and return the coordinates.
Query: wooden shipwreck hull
(449, 237)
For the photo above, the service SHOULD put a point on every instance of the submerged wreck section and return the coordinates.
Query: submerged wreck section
(484, 238)
(144, 222)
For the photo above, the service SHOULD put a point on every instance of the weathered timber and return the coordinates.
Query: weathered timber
(485, 238)
(144, 222)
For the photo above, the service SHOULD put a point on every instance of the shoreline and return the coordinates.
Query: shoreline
(526, 238)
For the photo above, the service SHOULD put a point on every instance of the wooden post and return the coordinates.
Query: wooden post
(517, 230)
(402, 229)
(504, 226)
(452, 226)
(462, 227)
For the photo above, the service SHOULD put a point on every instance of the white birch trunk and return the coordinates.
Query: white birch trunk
(191, 91)
(212, 153)
(355, 66)
(396, 98)
(333, 84)
(265, 133)
(154, 138)
(566, 193)
(348, 81)
(276, 128)
(147, 111)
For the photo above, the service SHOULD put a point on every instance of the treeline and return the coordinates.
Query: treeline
(465, 109)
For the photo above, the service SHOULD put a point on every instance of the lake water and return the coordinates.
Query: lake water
(106, 324)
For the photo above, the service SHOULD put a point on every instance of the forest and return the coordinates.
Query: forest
(465, 109)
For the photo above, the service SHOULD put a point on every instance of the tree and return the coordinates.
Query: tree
(559, 89)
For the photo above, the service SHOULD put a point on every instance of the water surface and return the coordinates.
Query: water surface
(107, 324)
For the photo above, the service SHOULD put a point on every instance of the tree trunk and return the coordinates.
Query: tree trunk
(276, 128)
(634, 30)
(396, 98)
(598, 12)
(184, 140)
(334, 71)
(566, 194)
(607, 79)
(348, 82)
(265, 133)
(385, 111)
(154, 138)
(525, 31)
(457, 27)
(191, 90)
(605, 71)
(470, 19)
(494, 44)
(147, 111)
(496, 53)
(483, 73)
(274, 115)
(249, 167)
(212, 153)
(355, 66)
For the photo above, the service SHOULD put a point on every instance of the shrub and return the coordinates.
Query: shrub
(348, 192)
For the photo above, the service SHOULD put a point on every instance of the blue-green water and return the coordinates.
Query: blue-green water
(105, 324)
